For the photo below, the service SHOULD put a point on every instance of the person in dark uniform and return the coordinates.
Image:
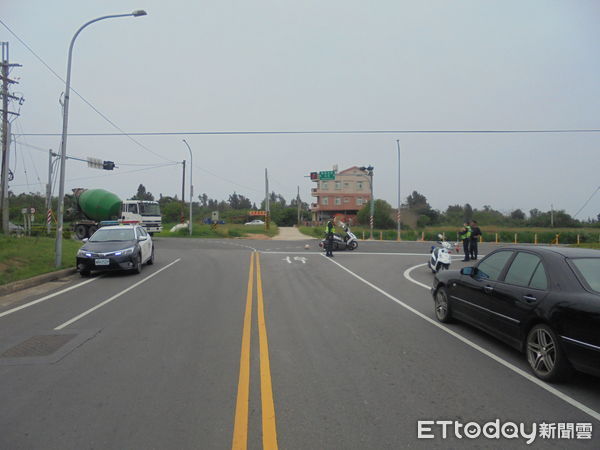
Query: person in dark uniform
(475, 234)
(465, 235)
(329, 230)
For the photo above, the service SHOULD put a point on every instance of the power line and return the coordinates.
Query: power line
(40, 149)
(105, 175)
(122, 133)
(587, 201)
(45, 150)
(292, 132)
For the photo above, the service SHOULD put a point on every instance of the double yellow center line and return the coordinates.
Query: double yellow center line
(269, 429)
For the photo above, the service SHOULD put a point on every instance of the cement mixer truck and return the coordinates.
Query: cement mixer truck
(93, 206)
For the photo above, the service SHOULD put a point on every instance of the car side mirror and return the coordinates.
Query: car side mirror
(469, 271)
(84, 240)
(142, 238)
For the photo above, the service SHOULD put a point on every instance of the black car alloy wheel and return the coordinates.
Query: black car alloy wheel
(442, 307)
(544, 354)
(137, 263)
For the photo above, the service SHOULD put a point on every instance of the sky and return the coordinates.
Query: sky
(410, 68)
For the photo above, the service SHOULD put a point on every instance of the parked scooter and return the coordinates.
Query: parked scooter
(440, 255)
(348, 242)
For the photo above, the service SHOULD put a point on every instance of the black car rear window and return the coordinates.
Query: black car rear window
(527, 270)
(589, 270)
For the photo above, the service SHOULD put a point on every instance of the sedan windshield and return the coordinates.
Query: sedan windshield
(113, 235)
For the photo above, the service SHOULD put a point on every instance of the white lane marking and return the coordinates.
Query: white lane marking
(47, 297)
(341, 253)
(302, 259)
(287, 258)
(571, 401)
(100, 305)
(409, 278)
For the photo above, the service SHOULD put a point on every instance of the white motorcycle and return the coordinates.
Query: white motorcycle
(440, 255)
(348, 242)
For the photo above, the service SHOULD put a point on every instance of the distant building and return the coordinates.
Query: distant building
(340, 194)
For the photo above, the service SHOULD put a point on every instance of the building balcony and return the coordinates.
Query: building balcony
(313, 192)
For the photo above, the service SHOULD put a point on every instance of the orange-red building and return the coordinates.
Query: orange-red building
(339, 194)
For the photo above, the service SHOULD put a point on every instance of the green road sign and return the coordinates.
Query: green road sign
(327, 175)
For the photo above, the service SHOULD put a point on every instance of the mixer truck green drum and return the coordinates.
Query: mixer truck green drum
(98, 204)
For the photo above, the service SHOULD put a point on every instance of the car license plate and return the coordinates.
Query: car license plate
(102, 262)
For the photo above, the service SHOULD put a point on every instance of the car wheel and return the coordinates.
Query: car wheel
(151, 259)
(442, 305)
(137, 264)
(84, 273)
(545, 355)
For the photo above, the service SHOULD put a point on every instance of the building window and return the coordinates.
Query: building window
(325, 201)
(359, 185)
(346, 199)
(359, 201)
(338, 185)
(346, 185)
(324, 185)
(338, 201)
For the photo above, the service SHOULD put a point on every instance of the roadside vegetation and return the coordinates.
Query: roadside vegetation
(26, 257)
(29, 256)
(219, 231)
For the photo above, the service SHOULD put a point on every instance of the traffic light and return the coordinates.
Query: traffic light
(108, 165)
(314, 176)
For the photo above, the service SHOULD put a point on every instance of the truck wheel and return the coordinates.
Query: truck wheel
(92, 230)
(81, 231)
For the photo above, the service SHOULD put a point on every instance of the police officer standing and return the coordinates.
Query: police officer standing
(465, 235)
(475, 234)
(329, 230)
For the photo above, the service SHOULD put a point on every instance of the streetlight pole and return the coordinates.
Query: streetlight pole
(399, 197)
(372, 218)
(63, 143)
(191, 184)
(369, 171)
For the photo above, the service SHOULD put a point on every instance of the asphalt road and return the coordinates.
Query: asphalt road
(241, 343)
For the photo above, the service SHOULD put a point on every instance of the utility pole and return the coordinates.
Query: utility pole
(6, 96)
(49, 191)
(191, 185)
(267, 199)
(399, 198)
(183, 193)
(551, 216)
(298, 201)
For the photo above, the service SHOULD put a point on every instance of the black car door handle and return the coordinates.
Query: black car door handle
(529, 298)
(488, 289)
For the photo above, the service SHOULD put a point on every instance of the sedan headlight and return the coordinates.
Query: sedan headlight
(84, 253)
(127, 251)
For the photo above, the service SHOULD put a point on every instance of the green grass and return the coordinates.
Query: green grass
(588, 245)
(26, 257)
(587, 236)
(220, 232)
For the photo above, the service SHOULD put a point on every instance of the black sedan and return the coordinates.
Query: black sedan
(120, 247)
(544, 301)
